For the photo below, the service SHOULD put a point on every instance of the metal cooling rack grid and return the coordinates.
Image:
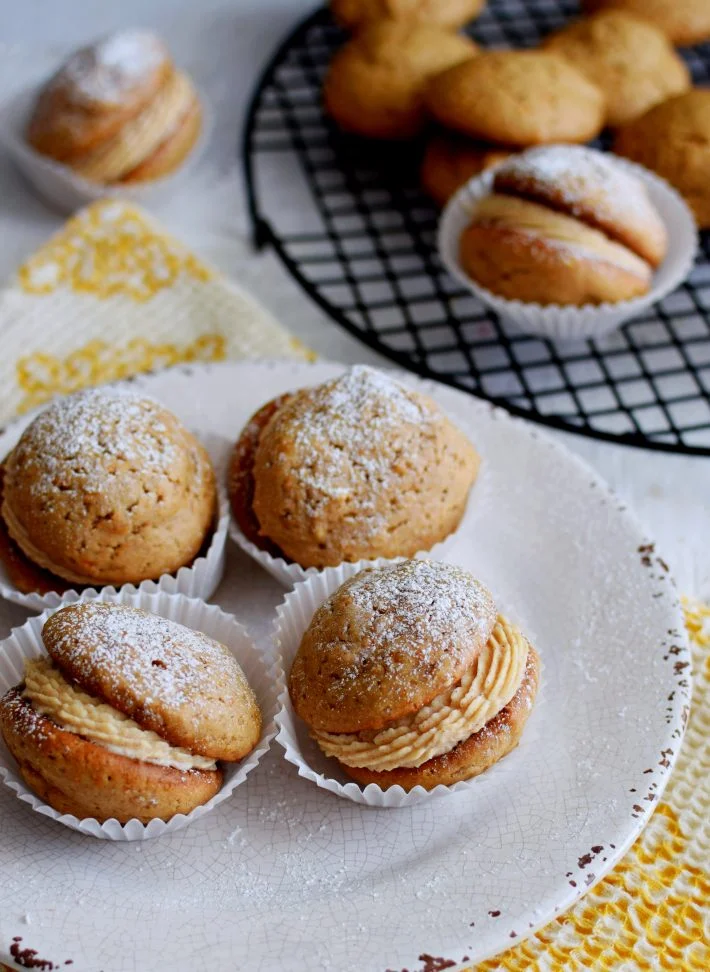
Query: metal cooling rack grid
(359, 237)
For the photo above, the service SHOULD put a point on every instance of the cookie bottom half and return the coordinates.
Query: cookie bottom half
(80, 777)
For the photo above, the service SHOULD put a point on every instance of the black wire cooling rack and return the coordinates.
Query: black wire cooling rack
(349, 222)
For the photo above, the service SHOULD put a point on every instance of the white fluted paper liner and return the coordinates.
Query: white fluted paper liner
(591, 320)
(292, 618)
(288, 573)
(65, 189)
(262, 670)
(198, 580)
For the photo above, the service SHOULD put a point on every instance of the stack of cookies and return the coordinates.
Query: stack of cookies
(117, 111)
(405, 67)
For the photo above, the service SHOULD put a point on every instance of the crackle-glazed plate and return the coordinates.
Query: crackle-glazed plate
(284, 877)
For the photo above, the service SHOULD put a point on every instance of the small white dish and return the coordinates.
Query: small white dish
(263, 674)
(63, 188)
(558, 322)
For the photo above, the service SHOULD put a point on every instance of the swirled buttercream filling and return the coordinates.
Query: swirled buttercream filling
(75, 711)
(454, 715)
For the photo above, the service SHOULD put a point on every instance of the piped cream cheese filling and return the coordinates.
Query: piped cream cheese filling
(557, 229)
(142, 135)
(454, 715)
(75, 711)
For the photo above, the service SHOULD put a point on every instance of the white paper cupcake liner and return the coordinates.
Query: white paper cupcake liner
(263, 673)
(293, 617)
(61, 186)
(198, 580)
(288, 574)
(591, 320)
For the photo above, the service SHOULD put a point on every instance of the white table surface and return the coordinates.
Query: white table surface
(224, 44)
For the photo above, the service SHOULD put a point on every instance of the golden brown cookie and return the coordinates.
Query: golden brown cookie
(359, 468)
(564, 225)
(475, 754)
(374, 86)
(407, 675)
(684, 21)
(108, 487)
(96, 91)
(74, 775)
(673, 139)
(517, 98)
(128, 715)
(631, 61)
(355, 14)
(386, 643)
(451, 160)
(199, 697)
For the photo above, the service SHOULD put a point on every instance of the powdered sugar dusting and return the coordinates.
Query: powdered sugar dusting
(142, 656)
(109, 70)
(350, 432)
(582, 177)
(430, 604)
(78, 442)
(387, 641)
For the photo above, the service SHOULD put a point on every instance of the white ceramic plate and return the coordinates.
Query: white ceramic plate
(284, 877)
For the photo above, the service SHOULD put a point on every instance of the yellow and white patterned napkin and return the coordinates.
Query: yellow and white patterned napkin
(113, 294)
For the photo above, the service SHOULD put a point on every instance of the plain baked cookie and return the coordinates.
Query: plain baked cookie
(408, 675)
(517, 98)
(564, 225)
(632, 61)
(374, 86)
(451, 160)
(108, 487)
(354, 14)
(673, 139)
(359, 467)
(129, 716)
(684, 21)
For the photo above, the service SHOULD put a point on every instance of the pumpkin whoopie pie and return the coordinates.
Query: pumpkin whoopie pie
(128, 716)
(117, 110)
(564, 224)
(106, 487)
(408, 675)
(357, 468)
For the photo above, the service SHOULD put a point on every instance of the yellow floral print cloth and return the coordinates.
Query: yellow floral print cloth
(111, 295)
